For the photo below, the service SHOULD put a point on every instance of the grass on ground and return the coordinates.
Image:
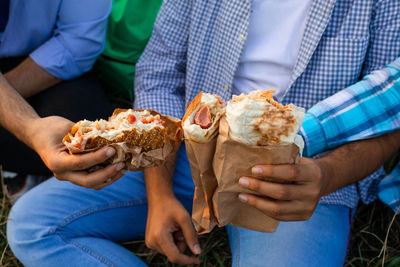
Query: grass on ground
(369, 229)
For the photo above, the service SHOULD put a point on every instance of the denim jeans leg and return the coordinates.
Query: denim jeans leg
(61, 224)
(320, 241)
(58, 223)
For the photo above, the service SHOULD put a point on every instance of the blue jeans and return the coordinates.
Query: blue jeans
(61, 224)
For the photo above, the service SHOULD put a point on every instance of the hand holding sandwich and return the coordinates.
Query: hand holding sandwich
(311, 179)
(44, 135)
(47, 133)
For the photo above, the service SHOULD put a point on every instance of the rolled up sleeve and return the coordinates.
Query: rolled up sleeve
(79, 37)
(364, 110)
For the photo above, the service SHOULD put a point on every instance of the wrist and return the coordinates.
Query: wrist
(33, 129)
(27, 132)
(161, 204)
(159, 185)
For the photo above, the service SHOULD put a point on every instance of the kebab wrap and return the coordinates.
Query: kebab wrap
(257, 130)
(257, 119)
(200, 125)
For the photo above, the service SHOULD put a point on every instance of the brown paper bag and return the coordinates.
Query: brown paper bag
(233, 160)
(200, 158)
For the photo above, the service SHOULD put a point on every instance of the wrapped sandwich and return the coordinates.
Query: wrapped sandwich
(257, 130)
(200, 125)
(257, 119)
(142, 138)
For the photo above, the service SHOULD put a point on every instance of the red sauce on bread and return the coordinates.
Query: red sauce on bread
(131, 119)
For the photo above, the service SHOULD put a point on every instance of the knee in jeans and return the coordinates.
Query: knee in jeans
(26, 223)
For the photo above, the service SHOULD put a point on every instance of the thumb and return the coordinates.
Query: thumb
(190, 235)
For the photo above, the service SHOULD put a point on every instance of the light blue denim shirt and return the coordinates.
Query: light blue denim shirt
(62, 36)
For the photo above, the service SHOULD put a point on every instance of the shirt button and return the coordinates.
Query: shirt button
(242, 38)
(226, 88)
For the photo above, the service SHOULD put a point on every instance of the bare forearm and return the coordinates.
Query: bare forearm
(159, 180)
(29, 79)
(15, 113)
(354, 161)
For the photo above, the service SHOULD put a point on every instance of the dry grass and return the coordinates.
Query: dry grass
(370, 228)
(7, 258)
(368, 236)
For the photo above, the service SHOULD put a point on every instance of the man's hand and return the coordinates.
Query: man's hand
(169, 229)
(169, 226)
(295, 201)
(46, 136)
(311, 179)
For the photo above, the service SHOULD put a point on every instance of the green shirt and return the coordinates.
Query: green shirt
(129, 29)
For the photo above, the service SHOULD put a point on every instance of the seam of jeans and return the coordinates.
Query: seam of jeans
(86, 250)
(98, 208)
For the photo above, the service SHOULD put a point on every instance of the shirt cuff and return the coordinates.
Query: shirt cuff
(56, 60)
(313, 135)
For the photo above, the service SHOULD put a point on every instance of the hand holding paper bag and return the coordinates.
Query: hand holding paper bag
(233, 160)
(294, 201)
(257, 130)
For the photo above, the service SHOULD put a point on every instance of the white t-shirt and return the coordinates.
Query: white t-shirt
(272, 45)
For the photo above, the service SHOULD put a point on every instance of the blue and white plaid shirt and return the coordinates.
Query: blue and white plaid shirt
(364, 110)
(196, 45)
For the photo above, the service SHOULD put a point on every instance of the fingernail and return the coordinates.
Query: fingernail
(110, 152)
(244, 182)
(256, 171)
(197, 249)
(120, 166)
(243, 198)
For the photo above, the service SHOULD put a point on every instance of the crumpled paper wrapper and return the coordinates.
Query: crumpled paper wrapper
(200, 158)
(135, 159)
(233, 160)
